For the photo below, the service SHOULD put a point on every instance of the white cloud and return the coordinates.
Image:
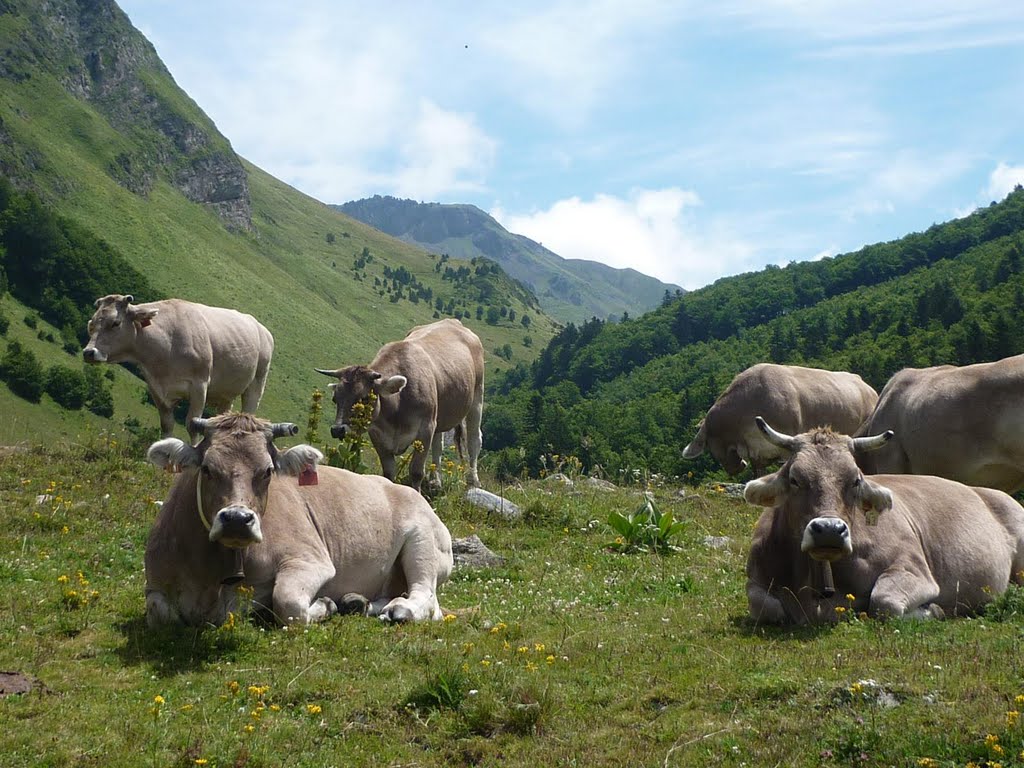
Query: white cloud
(649, 231)
(1003, 179)
(443, 153)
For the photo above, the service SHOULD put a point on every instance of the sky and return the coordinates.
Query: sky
(687, 140)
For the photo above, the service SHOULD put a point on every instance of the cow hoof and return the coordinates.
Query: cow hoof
(353, 603)
(397, 614)
(330, 607)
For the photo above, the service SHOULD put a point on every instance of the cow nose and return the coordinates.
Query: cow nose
(89, 354)
(237, 516)
(338, 431)
(832, 526)
(826, 538)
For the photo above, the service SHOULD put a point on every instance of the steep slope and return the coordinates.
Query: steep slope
(93, 124)
(572, 290)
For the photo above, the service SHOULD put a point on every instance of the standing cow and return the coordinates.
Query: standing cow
(789, 396)
(966, 424)
(420, 387)
(901, 545)
(237, 514)
(185, 350)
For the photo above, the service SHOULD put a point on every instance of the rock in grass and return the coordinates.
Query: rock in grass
(470, 552)
(492, 502)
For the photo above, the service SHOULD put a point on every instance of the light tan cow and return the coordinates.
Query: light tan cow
(791, 397)
(238, 514)
(185, 350)
(420, 387)
(963, 423)
(900, 545)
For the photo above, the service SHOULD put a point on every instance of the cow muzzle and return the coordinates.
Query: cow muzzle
(93, 355)
(236, 526)
(827, 538)
(338, 431)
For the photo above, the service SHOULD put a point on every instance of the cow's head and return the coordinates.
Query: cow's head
(726, 450)
(357, 394)
(820, 488)
(113, 327)
(235, 462)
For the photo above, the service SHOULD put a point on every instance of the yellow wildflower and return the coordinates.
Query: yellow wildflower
(314, 709)
(158, 699)
(62, 579)
(449, 617)
(538, 647)
(1011, 717)
(851, 598)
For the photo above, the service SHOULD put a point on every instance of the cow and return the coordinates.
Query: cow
(236, 514)
(185, 350)
(832, 540)
(792, 397)
(418, 388)
(964, 423)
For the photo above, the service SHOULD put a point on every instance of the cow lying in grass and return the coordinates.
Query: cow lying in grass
(901, 545)
(237, 514)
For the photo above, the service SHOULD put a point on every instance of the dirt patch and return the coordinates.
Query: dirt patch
(15, 682)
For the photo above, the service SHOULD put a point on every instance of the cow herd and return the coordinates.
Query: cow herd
(893, 504)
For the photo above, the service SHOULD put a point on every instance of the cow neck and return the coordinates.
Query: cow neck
(234, 570)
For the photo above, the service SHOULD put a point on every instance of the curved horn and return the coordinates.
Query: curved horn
(786, 442)
(284, 429)
(872, 442)
(332, 374)
(199, 425)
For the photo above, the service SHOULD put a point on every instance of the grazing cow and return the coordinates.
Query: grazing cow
(304, 547)
(185, 350)
(420, 387)
(793, 398)
(966, 424)
(901, 545)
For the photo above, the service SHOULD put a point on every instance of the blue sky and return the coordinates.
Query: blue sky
(688, 140)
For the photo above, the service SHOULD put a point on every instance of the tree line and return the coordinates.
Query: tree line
(629, 396)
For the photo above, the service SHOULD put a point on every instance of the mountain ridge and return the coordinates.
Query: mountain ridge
(571, 290)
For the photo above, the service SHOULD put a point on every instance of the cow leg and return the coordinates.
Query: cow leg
(419, 458)
(295, 591)
(474, 438)
(436, 446)
(159, 610)
(425, 562)
(903, 592)
(254, 392)
(196, 403)
(764, 607)
(387, 465)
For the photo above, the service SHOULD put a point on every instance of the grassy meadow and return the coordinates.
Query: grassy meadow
(568, 654)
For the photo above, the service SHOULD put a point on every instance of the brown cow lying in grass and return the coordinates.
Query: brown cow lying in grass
(937, 548)
(237, 514)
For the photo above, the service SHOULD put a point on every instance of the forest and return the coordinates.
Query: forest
(626, 397)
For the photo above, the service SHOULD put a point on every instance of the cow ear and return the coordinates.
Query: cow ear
(696, 446)
(874, 500)
(392, 385)
(172, 453)
(295, 459)
(142, 317)
(767, 491)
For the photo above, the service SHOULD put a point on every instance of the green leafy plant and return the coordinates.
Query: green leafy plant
(646, 530)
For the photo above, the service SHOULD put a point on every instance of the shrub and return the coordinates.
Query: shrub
(98, 398)
(646, 530)
(66, 386)
(22, 372)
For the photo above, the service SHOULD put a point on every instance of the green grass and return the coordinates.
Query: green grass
(569, 654)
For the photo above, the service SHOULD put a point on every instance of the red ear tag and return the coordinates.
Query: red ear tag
(308, 475)
(146, 323)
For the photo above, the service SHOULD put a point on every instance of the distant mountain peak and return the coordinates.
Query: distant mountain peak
(571, 290)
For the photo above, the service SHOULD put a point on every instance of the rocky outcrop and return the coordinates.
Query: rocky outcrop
(95, 53)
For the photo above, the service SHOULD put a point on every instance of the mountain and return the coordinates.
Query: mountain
(116, 164)
(626, 397)
(571, 290)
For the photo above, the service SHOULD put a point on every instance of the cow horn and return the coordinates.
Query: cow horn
(199, 425)
(284, 429)
(333, 374)
(872, 442)
(786, 442)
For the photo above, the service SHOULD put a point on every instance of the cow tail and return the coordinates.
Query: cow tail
(459, 432)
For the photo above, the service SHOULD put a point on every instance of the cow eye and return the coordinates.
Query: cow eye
(115, 324)
(793, 482)
(206, 471)
(268, 472)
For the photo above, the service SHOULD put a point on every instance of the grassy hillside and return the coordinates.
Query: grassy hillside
(572, 290)
(125, 165)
